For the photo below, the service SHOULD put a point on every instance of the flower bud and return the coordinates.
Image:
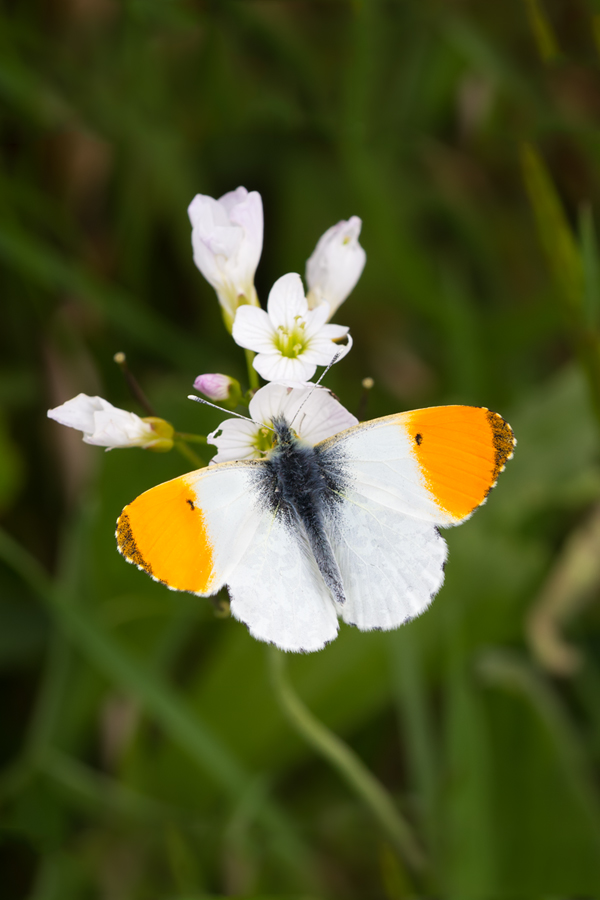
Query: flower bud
(219, 388)
(227, 238)
(335, 265)
(163, 431)
(104, 425)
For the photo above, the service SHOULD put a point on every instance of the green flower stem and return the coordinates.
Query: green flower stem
(347, 763)
(188, 453)
(252, 373)
(190, 438)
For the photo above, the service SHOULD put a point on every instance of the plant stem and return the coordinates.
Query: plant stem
(252, 373)
(188, 453)
(347, 763)
(190, 438)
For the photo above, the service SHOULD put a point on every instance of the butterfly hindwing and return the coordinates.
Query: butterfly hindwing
(406, 475)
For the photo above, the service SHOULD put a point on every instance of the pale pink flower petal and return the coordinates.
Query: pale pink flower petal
(227, 237)
(216, 386)
(335, 265)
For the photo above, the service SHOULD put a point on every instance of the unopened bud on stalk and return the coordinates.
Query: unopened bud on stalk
(163, 442)
(219, 388)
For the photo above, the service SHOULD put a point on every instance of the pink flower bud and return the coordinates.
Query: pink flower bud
(218, 387)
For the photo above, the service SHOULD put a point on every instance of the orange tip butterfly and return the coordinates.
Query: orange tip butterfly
(346, 528)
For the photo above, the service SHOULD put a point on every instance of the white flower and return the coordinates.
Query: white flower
(227, 239)
(106, 426)
(321, 417)
(291, 340)
(335, 265)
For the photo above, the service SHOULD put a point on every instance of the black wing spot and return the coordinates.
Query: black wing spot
(418, 438)
(191, 502)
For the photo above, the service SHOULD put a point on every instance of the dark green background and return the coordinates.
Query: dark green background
(144, 753)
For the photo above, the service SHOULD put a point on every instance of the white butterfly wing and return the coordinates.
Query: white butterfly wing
(404, 476)
(392, 564)
(398, 478)
(210, 528)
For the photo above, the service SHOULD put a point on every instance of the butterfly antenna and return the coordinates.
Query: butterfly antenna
(228, 411)
(316, 384)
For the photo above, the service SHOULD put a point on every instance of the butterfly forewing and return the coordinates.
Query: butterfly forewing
(216, 526)
(436, 464)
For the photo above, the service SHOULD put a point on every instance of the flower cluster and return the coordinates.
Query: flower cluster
(284, 343)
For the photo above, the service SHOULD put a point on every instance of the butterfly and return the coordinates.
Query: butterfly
(347, 528)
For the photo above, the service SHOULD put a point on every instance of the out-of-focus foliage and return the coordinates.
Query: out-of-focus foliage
(143, 750)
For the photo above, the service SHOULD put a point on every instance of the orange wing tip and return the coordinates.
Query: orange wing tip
(164, 533)
(461, 450)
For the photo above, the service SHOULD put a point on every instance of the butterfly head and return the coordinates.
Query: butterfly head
(285, 435)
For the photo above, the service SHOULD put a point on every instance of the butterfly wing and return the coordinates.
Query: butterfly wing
(405, 475)
(215, 527)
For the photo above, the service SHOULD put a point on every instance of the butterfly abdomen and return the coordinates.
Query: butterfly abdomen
(300, 493)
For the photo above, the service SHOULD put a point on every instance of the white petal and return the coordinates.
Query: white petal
(323, 351)
(79, 412)
(119, 428)
(323, 346)
(271, 400)
(275, 367)
(234, 439)
(287, 301)
(316, 414)
(315, 320)
(253, 329)
(249, 215)
(214, 239)
(205, 213)
(333, 332)
(336, 263)
(322, 416)
(231, 199)
(227, 236)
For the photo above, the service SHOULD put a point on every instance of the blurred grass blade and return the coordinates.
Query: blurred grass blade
(542, 30)
(565, 262)
(506, 670)
(596, 31)
(184, 727)
(572, 581)
(555, 233)
(470, 842)
(51, 271)
(94, 790)
(416, 726)
(591, 267)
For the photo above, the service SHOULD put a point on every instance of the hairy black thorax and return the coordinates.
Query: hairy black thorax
(302, 485)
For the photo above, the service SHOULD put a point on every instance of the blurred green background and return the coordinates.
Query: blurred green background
(143, 751)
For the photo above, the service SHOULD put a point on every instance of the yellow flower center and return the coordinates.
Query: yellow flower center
(263, 442)
(291, 342)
